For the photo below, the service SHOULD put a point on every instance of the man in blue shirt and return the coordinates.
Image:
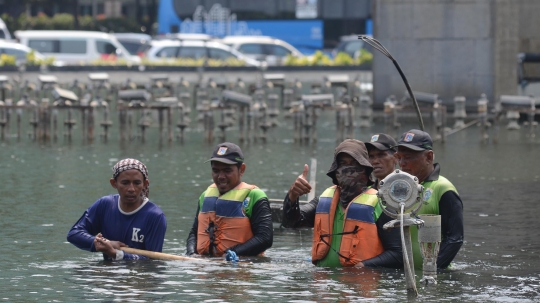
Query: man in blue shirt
(125, 219)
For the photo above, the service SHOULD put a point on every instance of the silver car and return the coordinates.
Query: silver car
(263, 48)
(168, 49)
(19, 51)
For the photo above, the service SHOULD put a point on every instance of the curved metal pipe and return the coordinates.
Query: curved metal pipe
(378, 46)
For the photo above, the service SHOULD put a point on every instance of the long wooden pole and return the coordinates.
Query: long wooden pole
(158, 255)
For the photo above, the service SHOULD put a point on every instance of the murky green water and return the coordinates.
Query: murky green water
(46, 187)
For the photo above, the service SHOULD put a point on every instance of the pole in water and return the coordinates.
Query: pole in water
(429, 236)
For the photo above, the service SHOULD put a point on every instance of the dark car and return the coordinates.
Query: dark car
(352, 46)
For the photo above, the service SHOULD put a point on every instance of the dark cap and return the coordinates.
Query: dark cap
(416, 140)
(382, 142)
(354, 148)
(228, 153)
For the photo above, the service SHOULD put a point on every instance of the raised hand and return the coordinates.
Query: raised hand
(300, 186)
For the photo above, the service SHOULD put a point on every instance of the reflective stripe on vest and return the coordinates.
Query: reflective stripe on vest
(359, 215)
(222, 222)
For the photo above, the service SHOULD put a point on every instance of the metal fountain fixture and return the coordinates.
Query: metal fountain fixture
(401, 197)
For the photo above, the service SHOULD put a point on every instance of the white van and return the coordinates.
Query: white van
(75, 47)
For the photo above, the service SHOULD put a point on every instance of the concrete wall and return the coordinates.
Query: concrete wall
(453, 47)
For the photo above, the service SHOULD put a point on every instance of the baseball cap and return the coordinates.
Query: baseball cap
(416, 140)
(382, 142)
(228, 153)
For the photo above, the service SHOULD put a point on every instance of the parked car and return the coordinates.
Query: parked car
(193, 49)
(185, 36)
(19, 51)
(262, 48)
(75, 47)
(352, 46)
(135, 43)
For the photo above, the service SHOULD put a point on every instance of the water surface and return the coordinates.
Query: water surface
(46, 187)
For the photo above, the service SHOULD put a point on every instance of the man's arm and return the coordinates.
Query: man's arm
(83, 232)
(263, 231)
(392, 256)
(191, 243)
(296, 215)
(451, 210)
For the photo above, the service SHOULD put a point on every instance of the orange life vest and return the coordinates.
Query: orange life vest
(222, 221)
(360, 241)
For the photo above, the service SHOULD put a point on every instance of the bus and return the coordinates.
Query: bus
(308, 25)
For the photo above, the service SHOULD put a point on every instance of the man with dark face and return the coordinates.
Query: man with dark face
(381, 149)
(233, 217)
(416, 157)
(344, 217)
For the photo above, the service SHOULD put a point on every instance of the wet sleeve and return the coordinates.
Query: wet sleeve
(262, 228)
(297, 215)
(83, 232)
(392, 256)
(451, 210)
(191, 243)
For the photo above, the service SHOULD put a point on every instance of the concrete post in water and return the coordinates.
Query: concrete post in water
(241, 124)
(27, 105)
(286, 101)
(184, 87)
(84, 104)
(4, 112)
(429, 236)
(100, 83)
(459, 112)
(366, 112)
(297, 110)
(349, 119)
(106, 122)
(308, 129)
(129, 101)
(297, 90)
(391, 123)
(441, 127)
(182, 122)
(90, 124)
(530, 117)
(69, 122)
(340, 122)
(513, 117)
(3, 120)
(55, 123)
(45, 120)
(144, 122)
(223, 125)
(65, 99)
(483, 116)
(513, 105)
(272, 110)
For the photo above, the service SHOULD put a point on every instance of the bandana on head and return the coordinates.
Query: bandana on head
(128, 164)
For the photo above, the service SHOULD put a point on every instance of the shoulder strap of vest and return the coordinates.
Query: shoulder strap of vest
(371, 191)
(244, 185)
